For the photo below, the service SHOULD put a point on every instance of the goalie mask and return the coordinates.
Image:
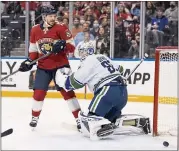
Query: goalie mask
(83, 52)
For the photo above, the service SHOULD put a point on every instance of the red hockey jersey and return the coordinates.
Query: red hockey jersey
(41, 38)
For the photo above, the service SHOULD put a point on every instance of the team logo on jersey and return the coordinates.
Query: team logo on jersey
(90, 51)
(45, 45)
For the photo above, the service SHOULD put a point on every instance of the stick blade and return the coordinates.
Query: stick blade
(7, 132)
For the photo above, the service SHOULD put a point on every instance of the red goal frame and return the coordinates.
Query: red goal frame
(156, 84)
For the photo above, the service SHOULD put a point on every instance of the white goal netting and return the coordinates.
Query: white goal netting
(167, 92)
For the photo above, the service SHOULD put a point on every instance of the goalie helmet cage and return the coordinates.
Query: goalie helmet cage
(165, 58)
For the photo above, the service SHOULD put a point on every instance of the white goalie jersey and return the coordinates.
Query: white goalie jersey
(95, 71)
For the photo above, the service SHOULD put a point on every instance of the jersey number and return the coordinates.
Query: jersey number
(106, 64)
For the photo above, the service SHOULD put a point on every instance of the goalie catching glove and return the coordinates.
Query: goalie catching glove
(61, 76)
(25, 65)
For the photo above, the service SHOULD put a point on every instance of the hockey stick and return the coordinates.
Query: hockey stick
(145, 56)
(34, 61)
(7, 132)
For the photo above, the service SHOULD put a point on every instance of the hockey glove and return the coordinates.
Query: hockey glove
(60, 79)
(65, 71)
(58, 46)
(25, 65)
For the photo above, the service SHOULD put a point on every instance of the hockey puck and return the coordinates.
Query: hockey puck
(165, 143)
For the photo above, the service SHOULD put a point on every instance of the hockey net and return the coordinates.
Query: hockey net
(165, 91)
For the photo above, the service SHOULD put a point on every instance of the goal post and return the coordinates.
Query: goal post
(165, 91)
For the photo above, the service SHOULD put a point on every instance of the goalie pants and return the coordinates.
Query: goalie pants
(109, 101)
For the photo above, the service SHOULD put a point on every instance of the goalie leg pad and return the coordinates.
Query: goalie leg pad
(95, 127)
(134, 123)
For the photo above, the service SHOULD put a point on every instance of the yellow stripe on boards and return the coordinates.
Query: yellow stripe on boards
(30, 94)
(89, 96)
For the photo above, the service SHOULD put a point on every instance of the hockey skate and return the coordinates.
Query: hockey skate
(78, 125)
(106, 130)
(34, 122)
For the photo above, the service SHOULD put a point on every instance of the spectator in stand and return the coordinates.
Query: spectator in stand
(172, 12)
(57, 4)
(134, 49)
(135, 10)
(82, 20)
(76, 26)
(123, 12)
(80, 36)
(99, 5)
(67, 5)
(108, 10)
(128, 5)
(77, 9)
(160, 22)
(133, 26)
(120, 39)
(155, 31)
(105, 23)
(150, 12)
(95, 10)
(45, 3)
(103, 10)
(60, 19)
(94, 30)
(102, 42)
(65, 21)
(60, 11)
(105, 3)
(89, 16)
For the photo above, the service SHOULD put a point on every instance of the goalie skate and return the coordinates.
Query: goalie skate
(106, 130)
(34, 122)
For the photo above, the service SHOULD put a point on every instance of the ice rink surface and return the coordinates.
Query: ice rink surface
(56, 131)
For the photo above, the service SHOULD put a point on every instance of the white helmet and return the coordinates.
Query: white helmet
(83, 51)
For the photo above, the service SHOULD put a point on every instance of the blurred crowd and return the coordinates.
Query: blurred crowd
(91, 24)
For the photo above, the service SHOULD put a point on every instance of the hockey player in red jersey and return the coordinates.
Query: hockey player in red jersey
(55, 38)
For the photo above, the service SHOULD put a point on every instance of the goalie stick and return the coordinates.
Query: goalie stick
(34, 61)
(7, 132)
(145, 57)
